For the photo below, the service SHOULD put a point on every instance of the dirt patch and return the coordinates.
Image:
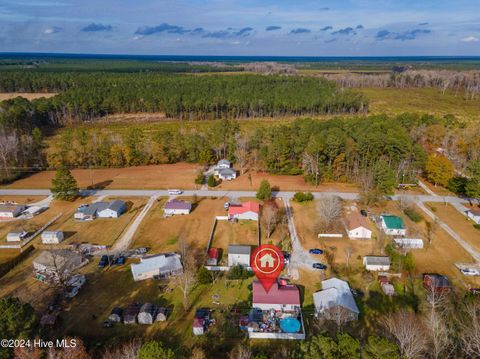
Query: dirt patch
(27, 95)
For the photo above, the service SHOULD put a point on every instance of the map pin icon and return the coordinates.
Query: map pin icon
(267, 263)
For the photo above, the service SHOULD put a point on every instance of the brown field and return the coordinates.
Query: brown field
(162, 234)
(439, 257)
(27, 95)
(242, 232)
(179, 175)
(458, 222)
(101, 231)
(21, 199)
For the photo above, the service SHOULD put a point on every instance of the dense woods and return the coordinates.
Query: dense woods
(86, 96)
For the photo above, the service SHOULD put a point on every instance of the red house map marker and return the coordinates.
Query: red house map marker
(267, 262)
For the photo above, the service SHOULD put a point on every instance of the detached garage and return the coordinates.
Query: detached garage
(52, 237)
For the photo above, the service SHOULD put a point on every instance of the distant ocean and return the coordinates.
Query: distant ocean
(201, 58)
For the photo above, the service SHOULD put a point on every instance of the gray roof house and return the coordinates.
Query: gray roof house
(227, 174)
(377, 263)
(91, 211)
(334, 300)
(223, 164)
(157, 266)
(239, 255)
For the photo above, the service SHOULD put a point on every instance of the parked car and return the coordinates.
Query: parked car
(226, 205)
(107, 324)
(286, 257)
(120, 261)
(315, 251)
(174, 191)
(319, 266)
(105, 261)
(363, 213)
(470, 271)
(141, 250)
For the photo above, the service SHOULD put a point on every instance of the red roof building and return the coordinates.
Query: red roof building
(247, 210)
(281, 296)
(212, 257)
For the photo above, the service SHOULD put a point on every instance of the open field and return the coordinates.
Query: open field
(179, 175)
(243, 232)
(101, 231)
(438, 257)
(27, 95)
(393, 101)
(21, 199)
(458, 222)
(162, 234)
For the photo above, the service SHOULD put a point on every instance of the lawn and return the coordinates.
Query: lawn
(101, 231)
(242, 232)
(162, 234)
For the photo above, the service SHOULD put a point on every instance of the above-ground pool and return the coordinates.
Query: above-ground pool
(290, 325)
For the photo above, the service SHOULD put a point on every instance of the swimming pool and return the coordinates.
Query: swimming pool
(290, 325)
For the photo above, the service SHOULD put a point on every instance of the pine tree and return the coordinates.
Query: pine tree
(265, 191)
(64, 185)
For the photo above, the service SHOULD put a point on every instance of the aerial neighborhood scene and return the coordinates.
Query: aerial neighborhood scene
(244, 180)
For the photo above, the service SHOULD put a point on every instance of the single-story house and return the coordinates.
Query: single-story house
(157, 266)
(239, 255)
(474, 215)
(334, 300)
(198, 326)
(376, 263)
(16, 236)
(9, 210)
(357, 226)
(147, 314)
(223, 164)
(281, 296)
(88, 212)
(436, 283)
(248, 210)
(130, 313)
(116, 315)
(226, 174)
(52, 237)
(57, 261)
(212, 259)
(410, 243)
(175, 206)
(393, 225)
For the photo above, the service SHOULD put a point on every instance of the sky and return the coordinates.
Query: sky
(248, 27)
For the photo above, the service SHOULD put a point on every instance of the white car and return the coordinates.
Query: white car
(470, 271)
(174, 191)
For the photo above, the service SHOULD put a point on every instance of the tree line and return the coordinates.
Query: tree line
(86, 96)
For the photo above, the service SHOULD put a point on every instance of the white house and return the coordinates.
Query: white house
(114, 209)
(9, 210)
(248, 211)
(335, 299)
(239, 255)
(175, 206)
(16, 236)
(227, 174)
(393, 225)
(88, 212)
(474, 215)
(357, 226)
(52, 237)
(376, 263)
(157, 266)
(223, 164)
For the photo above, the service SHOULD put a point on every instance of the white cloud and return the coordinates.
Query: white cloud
(470, 39)
(52, 30)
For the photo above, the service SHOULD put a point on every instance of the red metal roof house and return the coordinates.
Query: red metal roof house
(281, 296)
(248, 210)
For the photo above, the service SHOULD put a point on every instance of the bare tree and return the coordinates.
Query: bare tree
(431, 229)
(270, 217)
(329, 210)
(240, 352)
(198, 353)
(470, 329)
(186, 280)
(339, 315)
(128, 350)
(409, 332)
(69, 352)
(241, 152)
(348, 255)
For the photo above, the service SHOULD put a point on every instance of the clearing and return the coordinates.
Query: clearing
(27, 95)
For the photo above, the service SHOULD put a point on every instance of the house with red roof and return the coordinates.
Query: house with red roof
(281, 296)
(249, 210)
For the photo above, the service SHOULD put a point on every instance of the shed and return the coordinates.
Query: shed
(52, 237)
(376, 263)
(436, 283)
(198, 326)
(162, 314)
(130, 313)
(388, 289)
(176, 206)
(16, 236)
(116, 315)
(212, 259)
(147, 314)
(239, 255)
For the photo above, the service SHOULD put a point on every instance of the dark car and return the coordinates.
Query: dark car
(107, 324)
(120, 261)
(104, 261)
(315, 251)
(319, 266)
(364, 213)
(286, 257)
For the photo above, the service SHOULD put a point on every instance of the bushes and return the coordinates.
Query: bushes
(203, 276)
(303, 197)
(476, 226)
(265, 191)
(212, 182)
(238, 272)
(199, 178)
(400, 262)
(413, 215)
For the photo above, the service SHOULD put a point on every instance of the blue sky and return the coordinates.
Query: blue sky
(249, 27)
